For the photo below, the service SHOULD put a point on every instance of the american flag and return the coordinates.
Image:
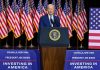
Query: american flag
(61, 14)
(37, 16)
(27, 21)
(3, 23)
(94, 28)
(33, 9)
(17, 28)
(10, 16)
(80, 27)
(20, 5)
(55, 12)
(32, 13)
(40, 8)
(63, 17)
(74, 24)
(84, 16)
(69, 19)
(45, 6)
(59, 9)
(78, 23)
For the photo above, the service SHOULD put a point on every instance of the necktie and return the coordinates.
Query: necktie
(51, 19)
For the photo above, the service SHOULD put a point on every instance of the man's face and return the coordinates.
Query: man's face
(50, 9)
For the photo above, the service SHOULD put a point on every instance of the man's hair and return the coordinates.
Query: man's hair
(50, 5)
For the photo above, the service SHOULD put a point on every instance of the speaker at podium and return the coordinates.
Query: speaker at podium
(53, 42)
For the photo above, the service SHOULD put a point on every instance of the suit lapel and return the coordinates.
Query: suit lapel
(48, 21)
(55, 21)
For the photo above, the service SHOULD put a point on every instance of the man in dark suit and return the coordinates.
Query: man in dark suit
(49, 20)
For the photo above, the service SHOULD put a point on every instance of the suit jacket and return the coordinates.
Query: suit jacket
(45, 22)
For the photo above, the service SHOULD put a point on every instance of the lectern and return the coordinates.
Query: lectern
(53, 42)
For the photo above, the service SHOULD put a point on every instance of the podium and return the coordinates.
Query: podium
(53, 42)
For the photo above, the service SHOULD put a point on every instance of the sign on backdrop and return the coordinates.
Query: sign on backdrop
(19, 60)
(82, 60)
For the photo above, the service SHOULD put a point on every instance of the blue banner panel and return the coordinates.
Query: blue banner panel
(19, 60)
(82, 60)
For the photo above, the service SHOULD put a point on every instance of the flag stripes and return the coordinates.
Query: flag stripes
(20, 18)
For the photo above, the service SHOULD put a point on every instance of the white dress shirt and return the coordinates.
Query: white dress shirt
(51, 17)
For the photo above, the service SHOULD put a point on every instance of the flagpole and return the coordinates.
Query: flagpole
(30, 3)
(14, 26)
(6, 43)
(71, 22)
(13, 41)
(71, 18)
(68, 32)
(26, 40)
(82, 29)
(7, 26)
(20, 46)
(26, 43)
(31, 46)
(20, 12)
(81, 46)
(77, 21)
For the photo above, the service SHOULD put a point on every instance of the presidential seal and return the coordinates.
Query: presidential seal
(54, 35)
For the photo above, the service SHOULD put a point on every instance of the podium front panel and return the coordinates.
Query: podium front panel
(53, 36)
